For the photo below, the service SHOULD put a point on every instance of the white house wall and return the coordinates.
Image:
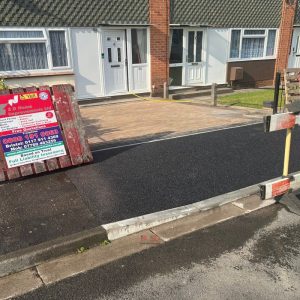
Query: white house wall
(86, 63)
(217, 55)
(39, 81)
(294, 61)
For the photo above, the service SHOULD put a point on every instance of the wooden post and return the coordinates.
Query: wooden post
(214, 95)
(166, 91)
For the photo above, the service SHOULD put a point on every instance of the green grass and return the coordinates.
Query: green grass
(254, 99)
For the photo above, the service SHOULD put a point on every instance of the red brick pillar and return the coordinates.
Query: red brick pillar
(285, 34)
(159, 44)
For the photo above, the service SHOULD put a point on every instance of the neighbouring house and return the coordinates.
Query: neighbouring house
(118, 47)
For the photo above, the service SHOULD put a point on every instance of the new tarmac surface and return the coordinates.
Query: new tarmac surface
(137, 180)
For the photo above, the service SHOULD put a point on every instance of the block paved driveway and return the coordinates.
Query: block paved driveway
(135, 120)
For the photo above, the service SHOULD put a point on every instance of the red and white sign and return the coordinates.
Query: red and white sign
(29, 131)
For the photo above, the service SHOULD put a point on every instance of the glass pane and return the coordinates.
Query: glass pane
(253, 47)
(5, 59)
(21, 34)
(250, 32)
(119, 55)
(199, 46)
(109, 55)
(58, 48)
(176, 76)
(176, 47)
(271, 43)
(139, 46)
(31, 56)
(191, 46)
(235, 44)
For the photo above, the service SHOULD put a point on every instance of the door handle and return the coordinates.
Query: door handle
(115, 66)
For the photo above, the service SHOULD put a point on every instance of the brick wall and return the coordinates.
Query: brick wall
(159, 44)
(285, 35)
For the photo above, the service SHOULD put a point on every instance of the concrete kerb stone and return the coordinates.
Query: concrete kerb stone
(32, 256)
(120, 229)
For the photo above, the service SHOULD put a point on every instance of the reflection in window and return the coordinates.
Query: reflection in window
(119, 55)
(109, 55)
(176, 48)
(235, 44)
(176, 76)
(191, 46)
(271, 43)
(199, 46)
(139, 46)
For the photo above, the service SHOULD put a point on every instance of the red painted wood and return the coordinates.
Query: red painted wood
(77, 119)
(64, 107)
(12, 173)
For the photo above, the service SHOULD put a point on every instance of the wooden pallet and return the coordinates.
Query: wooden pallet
(69, 119)
(292, 85)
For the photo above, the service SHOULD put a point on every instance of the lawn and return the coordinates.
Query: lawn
(253, 99)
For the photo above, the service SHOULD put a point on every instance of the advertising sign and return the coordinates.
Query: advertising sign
(29, 131)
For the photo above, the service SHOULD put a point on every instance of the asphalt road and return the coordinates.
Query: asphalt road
(256, 256)
(137, 180)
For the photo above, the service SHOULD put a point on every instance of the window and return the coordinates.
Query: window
(26, 50)
(195, 46)
(139, 46)
(176, 46)
(252, 43)
(58, 48)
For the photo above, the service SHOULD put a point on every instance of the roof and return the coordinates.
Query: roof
(72, 13)
(227, 13)
(297, 16)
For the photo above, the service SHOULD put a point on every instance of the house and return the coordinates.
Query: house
(118, 47)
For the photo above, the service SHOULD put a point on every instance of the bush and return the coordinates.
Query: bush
(3, 85)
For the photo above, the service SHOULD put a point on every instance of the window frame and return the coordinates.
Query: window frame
(243, 35)
(46, 41)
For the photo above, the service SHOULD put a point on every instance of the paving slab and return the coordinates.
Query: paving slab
(197, 221)
(118, 122)
(71, 265)
(19, 284)
(40, 209)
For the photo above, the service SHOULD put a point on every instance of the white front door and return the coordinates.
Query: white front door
(194, 57)
(114, 48)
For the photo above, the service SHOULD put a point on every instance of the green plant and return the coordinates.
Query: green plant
(82, 249)
(105, 243)
(3, 85)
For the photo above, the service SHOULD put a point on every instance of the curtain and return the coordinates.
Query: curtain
(139, 46)
(142, 44)
(58, 48)
(13, 34)
(253, 47)
(271, 43)
(5, 62)
(29, 56)
(235, 44)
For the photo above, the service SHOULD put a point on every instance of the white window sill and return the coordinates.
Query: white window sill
(251, 59)
(24, 74)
